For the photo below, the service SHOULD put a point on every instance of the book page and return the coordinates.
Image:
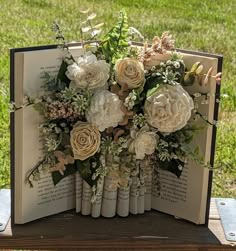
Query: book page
(44, 198)
(186, 197)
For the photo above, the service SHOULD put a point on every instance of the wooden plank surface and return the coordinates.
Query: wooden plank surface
(153, 230)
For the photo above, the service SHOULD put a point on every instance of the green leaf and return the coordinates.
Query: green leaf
(86, 170)
(86, 29)
(152, 82)
(150, 92)
(61, 77)
(57, 176)
(196, 151)
(172, 166)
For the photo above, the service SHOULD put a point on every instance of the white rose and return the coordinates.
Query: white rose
(129, 71)
(168, 109)
(88, 72)
(105, 110)
(142, 142)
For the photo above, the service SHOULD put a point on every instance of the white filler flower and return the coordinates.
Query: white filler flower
(88, 73)
(168, 109)
(105, 110)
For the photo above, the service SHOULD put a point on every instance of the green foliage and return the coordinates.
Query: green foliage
(115, 42)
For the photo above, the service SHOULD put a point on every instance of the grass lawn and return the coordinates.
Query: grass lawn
(198, 25)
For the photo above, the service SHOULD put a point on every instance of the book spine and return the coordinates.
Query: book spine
(86, 199)
(79, 190)
(123, 201)
(109, 198)
(133, 201)
(148, 187)
(140, 202)
(97, 204)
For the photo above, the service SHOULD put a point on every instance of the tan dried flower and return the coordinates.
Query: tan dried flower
(63, 160)
(158, 52)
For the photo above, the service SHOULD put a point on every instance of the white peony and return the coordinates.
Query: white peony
(142, 142)
(169, 108)
(88, 72)
(105, 110)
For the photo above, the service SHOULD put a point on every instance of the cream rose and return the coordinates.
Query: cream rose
(105, 110)
(85, 140)
(129, 71)
(169, 108)
(142, 142)
(88, 72)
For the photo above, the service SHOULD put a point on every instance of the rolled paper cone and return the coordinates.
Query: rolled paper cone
(141, 199)
(123, 201)
(133, 200)
(148, 189)
(109, 197)
(97, 204)
(78, 191)
(86, 199)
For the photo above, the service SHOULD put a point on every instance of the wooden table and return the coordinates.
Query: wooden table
(152, 230)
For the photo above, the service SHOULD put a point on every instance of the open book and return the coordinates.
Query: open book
(186, 197)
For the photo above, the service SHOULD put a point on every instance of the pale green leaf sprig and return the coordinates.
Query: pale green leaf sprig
(170, 77)
(52, 142)
(79, 100)
(139, 120)
(27, 101)
(99, 175)
(108, 146)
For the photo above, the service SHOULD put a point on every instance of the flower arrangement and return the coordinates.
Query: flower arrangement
(118, 112)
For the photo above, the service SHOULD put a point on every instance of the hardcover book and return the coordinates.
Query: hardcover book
(186, 196)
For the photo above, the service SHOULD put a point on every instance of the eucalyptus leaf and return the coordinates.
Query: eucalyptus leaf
(84, 11)
(91, 16)
(86, 29)
(96, 32)
(189, 79)
(98, 25)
